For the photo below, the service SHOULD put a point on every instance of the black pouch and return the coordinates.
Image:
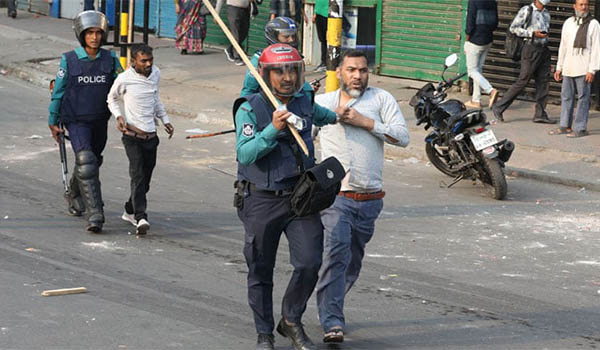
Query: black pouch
(238, 196)
(317, 188)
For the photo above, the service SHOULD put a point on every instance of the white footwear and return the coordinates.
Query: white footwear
(142, 227)
(129, 218)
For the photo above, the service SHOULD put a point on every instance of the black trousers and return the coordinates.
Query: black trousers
(142, 159)
(321, 23)
(239, 25)
(535, 63)
(265, 217)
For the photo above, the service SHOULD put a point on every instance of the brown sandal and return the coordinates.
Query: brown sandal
(560, 131)
(334, 335)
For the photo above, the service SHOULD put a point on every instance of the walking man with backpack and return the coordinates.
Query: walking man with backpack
(532, 23)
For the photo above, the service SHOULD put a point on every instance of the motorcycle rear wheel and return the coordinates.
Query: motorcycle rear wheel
(494, 181)
(439, 162)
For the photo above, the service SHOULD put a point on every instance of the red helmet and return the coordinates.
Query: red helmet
(288, 65)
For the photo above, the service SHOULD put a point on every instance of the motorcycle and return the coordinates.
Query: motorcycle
(462, 144)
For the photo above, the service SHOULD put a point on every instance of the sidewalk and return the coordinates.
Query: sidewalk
(204, 87)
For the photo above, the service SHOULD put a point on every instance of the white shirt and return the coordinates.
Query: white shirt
(571, 62)
(141, 99)
(361, 151)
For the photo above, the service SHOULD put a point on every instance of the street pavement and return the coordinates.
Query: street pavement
(446, 269)
(204, 87)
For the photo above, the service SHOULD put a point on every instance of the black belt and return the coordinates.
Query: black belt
(145, 136)
(278, 193)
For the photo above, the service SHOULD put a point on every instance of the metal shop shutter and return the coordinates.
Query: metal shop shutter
(416, 36)
(501, 71)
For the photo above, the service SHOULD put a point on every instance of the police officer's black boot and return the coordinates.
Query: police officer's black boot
(89, 183)
(299, 339)
(75, 205)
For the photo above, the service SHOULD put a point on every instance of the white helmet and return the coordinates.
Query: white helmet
(90, 19)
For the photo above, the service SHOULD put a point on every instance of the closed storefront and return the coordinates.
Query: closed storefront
(416, 35)
(502, 71)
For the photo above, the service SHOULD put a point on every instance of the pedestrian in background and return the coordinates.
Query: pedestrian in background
(482, 20)
(190, 29)
(369, 117)
(12, 8)
(138, 86)
(238, 15)
(84, 78)
(288, 8)
(578, 62)
(319, 18)
(533, 24)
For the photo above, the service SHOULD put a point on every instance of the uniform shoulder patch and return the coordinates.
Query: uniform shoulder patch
(248, 130)
(61, 73)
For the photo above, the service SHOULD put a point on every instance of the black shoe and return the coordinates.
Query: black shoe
(12, 14)
(95, 222)
(183, 52)
(239, 62)
(299, 339)
(543, 120)
(497, 115)
(265, 342)
(229, 55)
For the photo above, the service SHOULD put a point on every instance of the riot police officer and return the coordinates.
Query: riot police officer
(269, 162)
(78, 102)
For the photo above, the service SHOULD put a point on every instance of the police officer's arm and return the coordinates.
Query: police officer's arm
(250, 84)
(252, 144)
(57, 94)
(323, 116)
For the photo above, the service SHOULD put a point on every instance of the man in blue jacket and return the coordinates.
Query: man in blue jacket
(85, 76)
(482, 20)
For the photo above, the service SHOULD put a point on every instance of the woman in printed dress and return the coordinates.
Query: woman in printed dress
(190, 29)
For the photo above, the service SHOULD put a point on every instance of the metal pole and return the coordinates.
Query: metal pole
(117, 20)
(146, 20)
(124, 31)
(334, 43)
(130, 29)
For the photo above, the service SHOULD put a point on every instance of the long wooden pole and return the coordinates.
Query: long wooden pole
(253, 71)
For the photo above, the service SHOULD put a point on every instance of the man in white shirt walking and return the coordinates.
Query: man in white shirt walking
(368, 117)
(578, 61)
(138, 86)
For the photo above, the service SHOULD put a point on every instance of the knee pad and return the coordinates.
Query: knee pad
(87, 165)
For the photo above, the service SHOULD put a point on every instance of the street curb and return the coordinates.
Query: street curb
(548, 178)
(25, 71)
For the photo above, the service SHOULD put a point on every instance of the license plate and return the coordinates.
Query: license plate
(483, 140)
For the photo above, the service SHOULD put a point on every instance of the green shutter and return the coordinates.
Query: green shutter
(417, 35)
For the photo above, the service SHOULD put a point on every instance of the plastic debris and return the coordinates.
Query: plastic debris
(34, 137)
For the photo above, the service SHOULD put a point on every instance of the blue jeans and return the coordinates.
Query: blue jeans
(348, 227)
(575, 87)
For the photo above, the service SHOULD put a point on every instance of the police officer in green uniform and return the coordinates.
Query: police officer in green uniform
(78, 102)
(269, 162)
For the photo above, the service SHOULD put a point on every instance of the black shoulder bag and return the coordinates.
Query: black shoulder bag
(513, 44)
(318, 186)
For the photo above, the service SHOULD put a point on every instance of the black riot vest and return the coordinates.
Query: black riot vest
(88, 84)
(279, 169)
